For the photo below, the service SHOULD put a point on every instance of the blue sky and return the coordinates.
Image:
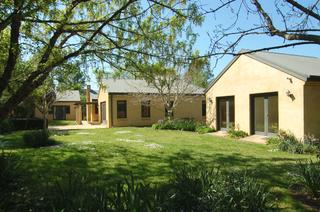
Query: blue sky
(254, 42)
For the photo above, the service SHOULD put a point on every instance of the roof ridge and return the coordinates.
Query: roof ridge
(271, 52)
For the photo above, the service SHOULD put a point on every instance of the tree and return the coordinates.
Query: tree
(199, 71)
(297, 23)
(169, 76)
(44, 35)
(44, 97)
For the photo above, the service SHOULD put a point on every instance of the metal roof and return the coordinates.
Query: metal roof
(301, 67)
(68, 96)
(141, 86)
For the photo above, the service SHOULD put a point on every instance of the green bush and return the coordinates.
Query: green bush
(6, 126)
(308, 175)
(286, 141)
(311, 144)
(236, 133)
(182, 124)
(37, 138)
(202, 129)
(202, 189)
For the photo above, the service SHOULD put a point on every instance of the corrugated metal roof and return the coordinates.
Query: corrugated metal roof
(301, 67)
(68, 96)
(141, 86)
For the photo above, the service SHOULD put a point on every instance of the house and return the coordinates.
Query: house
(124, 102)
(92, 112)
(263, 92)
(66, 107)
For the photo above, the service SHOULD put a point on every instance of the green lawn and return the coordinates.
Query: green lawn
(61, 122)
(153, 155)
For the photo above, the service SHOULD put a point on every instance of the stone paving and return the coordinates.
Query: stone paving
(83, 126)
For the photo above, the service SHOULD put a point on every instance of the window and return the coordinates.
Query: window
(51, 110)
(121, 109)
(67, 109)
(166, 111)
(204, 108)
(145, 109)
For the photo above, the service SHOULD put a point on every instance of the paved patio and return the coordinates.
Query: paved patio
(84, 125)
(259, 139)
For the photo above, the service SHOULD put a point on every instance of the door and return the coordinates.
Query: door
(59, 112)
(225, 113)
(265, 113)
(103, 112)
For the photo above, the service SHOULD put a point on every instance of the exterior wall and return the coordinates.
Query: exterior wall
(190, 108)
(247, 76)
(92, 116)
(70, 116)
(311, 108)
(103, 97)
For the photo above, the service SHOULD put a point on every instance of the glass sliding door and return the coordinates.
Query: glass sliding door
(225, 112)
(265, 114)
(259, 114)
(273, 115)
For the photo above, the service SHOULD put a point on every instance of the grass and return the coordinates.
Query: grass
(61, 122)
(152, 156)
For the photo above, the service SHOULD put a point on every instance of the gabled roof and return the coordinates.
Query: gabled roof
(301, 67)
(141, 86)
(68, 96)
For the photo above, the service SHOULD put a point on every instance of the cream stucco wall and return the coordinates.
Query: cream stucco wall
(311, 108)
(247, 76)
(191, 107)
(69, 116)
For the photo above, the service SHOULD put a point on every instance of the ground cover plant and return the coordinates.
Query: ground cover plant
(151, 156)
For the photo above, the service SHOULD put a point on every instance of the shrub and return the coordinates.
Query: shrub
(203, 189)
(182, 124)
(37, 138)
(308, 175)
(10, 180)
(236, 133)
(286, 141)
(27, 123)
(311, 144)
(6, 126)
(202, 129)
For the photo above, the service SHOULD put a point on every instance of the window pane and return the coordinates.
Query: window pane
(273, 114)
(145, 109)
(259, 113)
(166, 111)
(121, 109)
(67, 108)
(204, 108)
(231, 113)
(223, 113)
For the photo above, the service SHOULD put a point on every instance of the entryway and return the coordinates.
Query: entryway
(265, 114)
(225, 112)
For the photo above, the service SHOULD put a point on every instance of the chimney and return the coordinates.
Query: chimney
(88, 93)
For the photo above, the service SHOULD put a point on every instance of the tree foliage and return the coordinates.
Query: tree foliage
(41, 36)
